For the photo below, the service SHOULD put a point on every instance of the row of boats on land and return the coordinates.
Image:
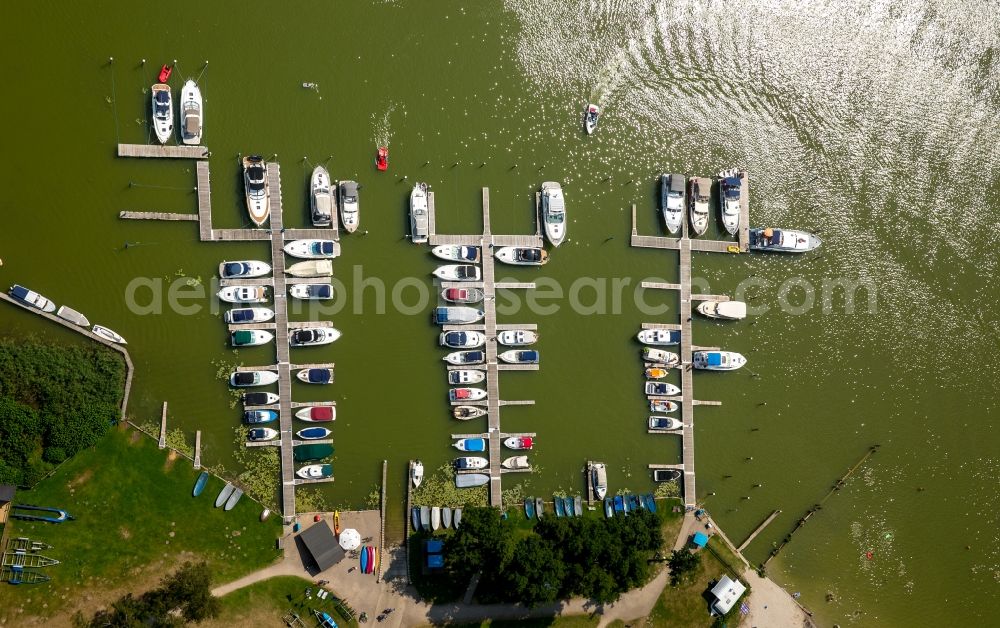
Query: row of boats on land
(434, 517)
(563, 506)
(32, 299)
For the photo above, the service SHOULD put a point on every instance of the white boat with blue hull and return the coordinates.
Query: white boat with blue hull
(459, 315)
(32, 298)
(717, 360)
(458, 358)
(313, 249)
(458, 272)
(462, 339)
(248, 315)
(243, 379)
(311, 291)
(662, 389)
(243, 268)
(782, 240)
(457, 253)
(163, 112)
(315, 376)
(659, 337)
(528, 356)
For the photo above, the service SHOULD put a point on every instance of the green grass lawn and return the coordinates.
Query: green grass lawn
(265, 603)
(135, 521)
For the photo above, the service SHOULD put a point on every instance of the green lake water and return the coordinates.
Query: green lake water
(874, 125)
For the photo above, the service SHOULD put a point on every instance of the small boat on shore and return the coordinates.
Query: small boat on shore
(599, 479)
(619, 504)
(313, 433)
(701, 195)
(539, 507)
(528, 356)
(717, 360)
(727, 310)
(69, 314)
(664, 423)
(464, 413)
(662, 389)
(553, 212)
(465, 376)
(457, 253)
(31, 298)
(729, 200)
(578, 506)
(558, 506)
(519, 442)
(470, 444)
(255, 186)
(782, 240)
(312, 249)
(192, 113)
(568, 505)
(462, 295)
(108, 334)
(248, 315)
(243, 294)
(529, 507)
(311, 268)
(163, 112)
(315, 471)
(446, 517)
(252, 378)
(515, 462)
(250, 338)
(425, 517)
(418, 214)
(313, 336)
(262, 434)
(311, 291)
(458, 272)
(672, 191)
(315, 376)
(457, 315)
(317, 414)
(517, 337)
(518, 256)
(415, 518)
(350, 207)
(260, 399)
(417, 473)
(659, 337)
(462, 339)
(470, 480)
(336, 522)
(382, 158)
(470, 462)
(660, 357)
(199, 485)
(254, 417)
(466, 394)
(320, 197)
(590, 117)
(663, 405)
(609, 507)
(224, 494)
(458, 358)
(458, 517)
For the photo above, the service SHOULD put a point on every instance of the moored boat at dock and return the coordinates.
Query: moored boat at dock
(782, 240)
(466, 394)
(519, 442)
(253, 417)
(312, 249)
(529, 356)
(470, 444)
(664, 423)
(192, 113)
(470, 462)
(517, 337)
(519, 256)
(255, 186)
(248, 315)
(457, 253)
(663, 405)
(417, 473)
(315, 471)
(242, 379)
(599, 479)
(673, 188)
(313, 433)
(515, 462)
(350, 206)
(464, 413)
(163, 112)
(315, 376)
(108, 334)
(313, 336)
(727, 310)
(69, 314)
(462, 295)
(311, 291)
(729, 200)
(700, 197)
(662, 389)
(470, 480)
(465, 376)
(717, 360)
(458, 358)
(659, 337)
(250, 337)
(311, 268)
(259, 399)
(243, 294)
(262, 434)
(317, 414)
(31, 298)
(243, 268)
(660, 357)
(418, 214)
(458, 272)
(457, 315)
(554, 212)
(320, 197)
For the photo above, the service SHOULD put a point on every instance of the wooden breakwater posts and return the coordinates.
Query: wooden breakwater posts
(488, 241)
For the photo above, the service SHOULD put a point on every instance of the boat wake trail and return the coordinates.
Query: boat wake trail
(382, 127)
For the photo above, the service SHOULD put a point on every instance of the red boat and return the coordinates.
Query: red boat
(382, 159)
(165, 72)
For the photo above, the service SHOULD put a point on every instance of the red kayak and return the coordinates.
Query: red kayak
(382, 158)
(165, 73)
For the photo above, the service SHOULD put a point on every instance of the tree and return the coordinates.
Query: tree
(535, 573)
(682, 563)
(485, 542)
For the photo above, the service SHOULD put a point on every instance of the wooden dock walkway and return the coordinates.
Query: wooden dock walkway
(758, 530)
(162, 152)
(204, 187)
(130, 215)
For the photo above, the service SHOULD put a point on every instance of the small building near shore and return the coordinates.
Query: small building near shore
(726, 592)
(322, 545)
(700, 539)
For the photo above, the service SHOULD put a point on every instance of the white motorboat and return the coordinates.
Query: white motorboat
(108, 334)
(311, 291)
(519, 442)
(517, 337)
(462, 295)
(465, 376)
(457, 253)
(458, 272)
(67, 313)
(315, 376)
(599, 479)
(518, 356)
(515, 462)
(311, 268)
(417, 473)
(466, 394)
(730, 184)
(701, 195)
(663, 405)
(320, 197)
(659, 337)
(192, 113)
(262, 433)
(250, 337)
(662, 389)
(260, 399)
(243, 268)
(522, 256)
(553, 212)
(248, 315)
(313, 249)
(32, 298)
(243, 294)
(664, 423)
(350, 208)
(458, 358)
(660, 357)
(310, 336)
(457, 315)
(717, 360)
(462, 339)
(418, 214)
(464, 413)
(728, 310)
(255, 186)
(244, 379)
(782, 240)
(470, 462)
(672, 191)
(315, 471)
(163, 112)
(590, 117)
